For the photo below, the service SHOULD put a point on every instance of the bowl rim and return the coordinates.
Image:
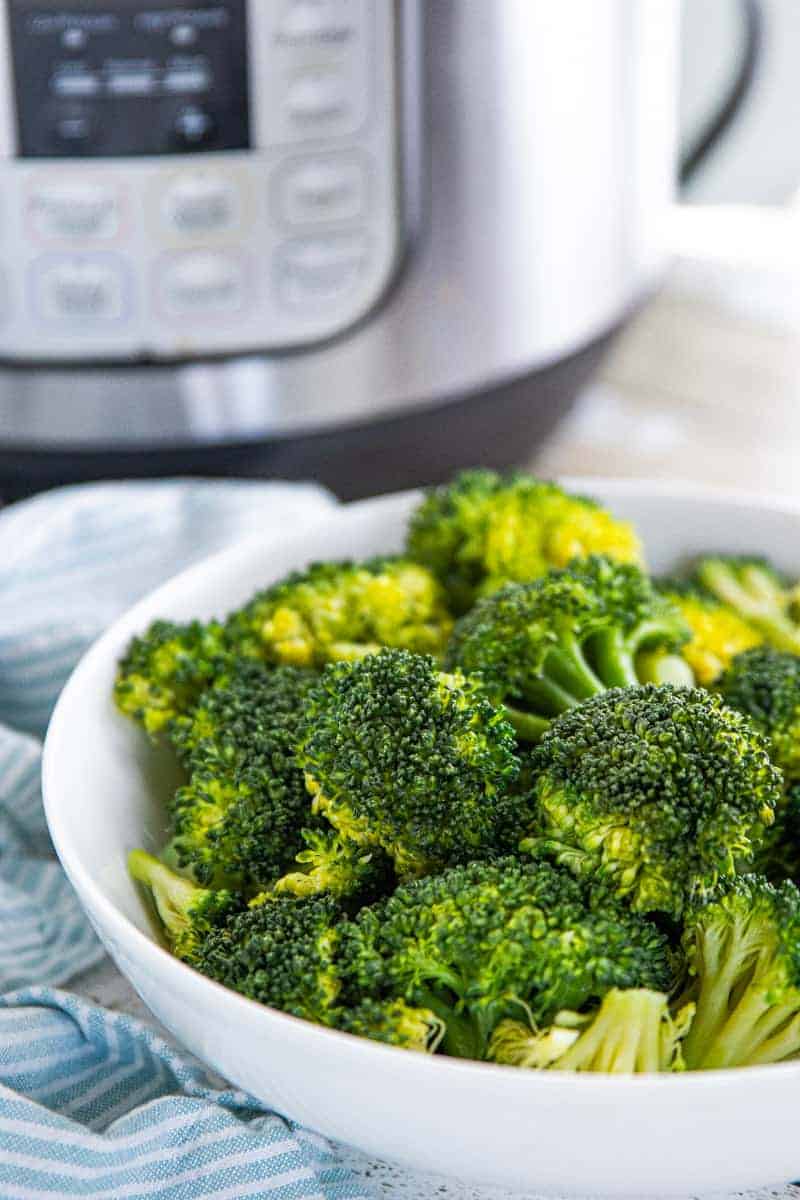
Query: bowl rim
(148, 950)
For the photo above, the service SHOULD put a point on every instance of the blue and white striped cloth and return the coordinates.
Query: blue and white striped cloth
(94, 1103)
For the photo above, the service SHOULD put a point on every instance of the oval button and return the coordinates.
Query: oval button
(202, 283)
(73, 210)
(324, 189)
(198, 205)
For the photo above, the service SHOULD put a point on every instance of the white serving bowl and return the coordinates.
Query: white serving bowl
(104, 791)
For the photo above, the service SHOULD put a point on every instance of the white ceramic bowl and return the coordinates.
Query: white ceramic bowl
(664, 1135)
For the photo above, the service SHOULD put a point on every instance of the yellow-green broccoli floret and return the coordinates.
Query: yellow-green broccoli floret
(342, 611)
(402, 757)
(718, 633)
(487, 941)
(658, 793)
(188, 912)
(758, 592)
(632, 1032)
(484, 530)
(541, 648)
(166, 669)
(743, 950)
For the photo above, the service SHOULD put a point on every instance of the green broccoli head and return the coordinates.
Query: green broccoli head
(488, 940)
(281, 952)
(764, 684)
(484, 530)
(395, 1023)
(166, 669)
(239, 819)
(633, 1032)
(540, 648)
(758, 592)
(329, 863)
(188, 913)
(743, 950)
(405, 758)
(341, 611)
(656, 792)
(717, 632)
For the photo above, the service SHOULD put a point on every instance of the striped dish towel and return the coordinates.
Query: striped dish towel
(94, 1103)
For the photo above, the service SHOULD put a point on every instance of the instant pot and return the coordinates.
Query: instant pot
(364, 240)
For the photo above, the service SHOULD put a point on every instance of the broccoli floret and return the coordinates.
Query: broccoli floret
(279, 951)
(402, 757)
(166, 669)
(395, 1023)
(188, 913)
(541, 648)
(764, 684)
(484, 530)
(657, 792)
(342, 868)
(632, 1032)
(486, 941)
(743, 950)
(755, 590)
(718, 633)
(343, 611)
(238, 821)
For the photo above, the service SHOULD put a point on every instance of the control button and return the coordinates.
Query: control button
(72, 289)
(183, 34)
(131, 83)
(194, 128)
(74, 131)
(320, 270)
(312, 21)
(318, 190)
(73, 38)
(317, 95)
(73, 210)
(187, 79)
(196, 205)
(202, 283)
(75, 84)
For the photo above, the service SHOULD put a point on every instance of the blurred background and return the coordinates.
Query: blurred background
(705, 383)
(372, 243)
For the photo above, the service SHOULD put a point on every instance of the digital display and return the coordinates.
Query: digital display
(129, 77)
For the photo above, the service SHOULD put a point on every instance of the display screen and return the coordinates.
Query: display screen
(129, 77)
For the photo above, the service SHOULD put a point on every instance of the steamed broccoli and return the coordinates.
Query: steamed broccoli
(764, 684)
(540, 648)
(395, 1023)
(280, 951)
(632, 1032)
(188, 913)
(331, 863)
(658, 792)
(484, 530)
(401, 757)
(238, 820)
(743, 950)
(166, 669)
(486, 941)
(342, 611)
(755, 590)
(718, 633)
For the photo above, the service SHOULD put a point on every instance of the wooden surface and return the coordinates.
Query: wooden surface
(693, 390)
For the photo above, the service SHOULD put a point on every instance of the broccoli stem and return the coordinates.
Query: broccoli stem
(785, 1043)
(721, 970)
(462, 1037)
(613, 659)
(653, 666)
(527, 726)
(567, 666)
(172, 895)
(744, 1030)
(753, 594)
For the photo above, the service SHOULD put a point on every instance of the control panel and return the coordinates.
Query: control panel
(194, 177)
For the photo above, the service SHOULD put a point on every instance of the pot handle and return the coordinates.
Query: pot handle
(736, 96)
